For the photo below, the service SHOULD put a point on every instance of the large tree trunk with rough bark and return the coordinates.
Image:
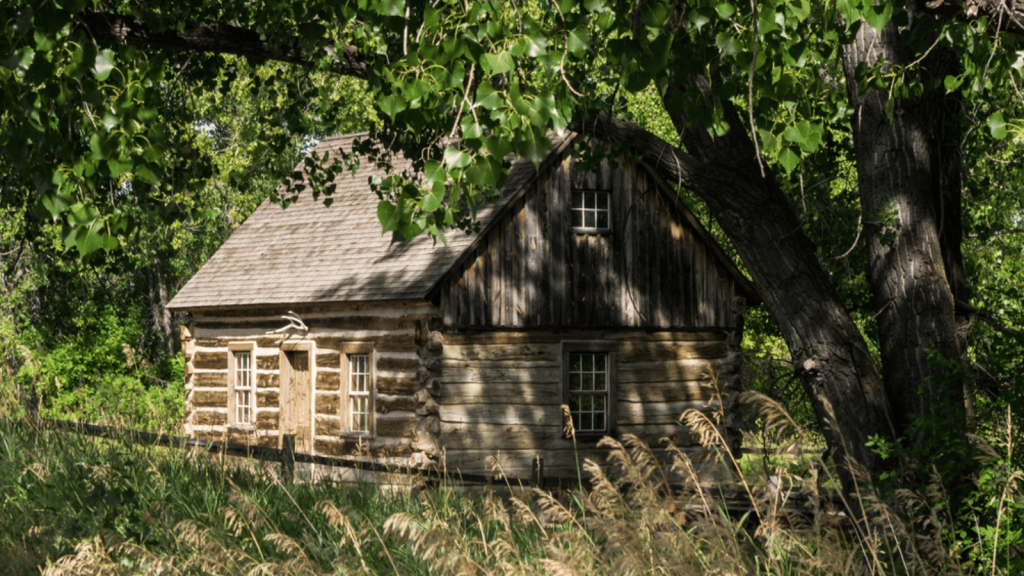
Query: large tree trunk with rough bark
(903, 185)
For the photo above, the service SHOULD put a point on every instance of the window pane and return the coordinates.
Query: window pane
(602, 200)
(589, 200)
(588, 219)
(602, 220)
(587, 390)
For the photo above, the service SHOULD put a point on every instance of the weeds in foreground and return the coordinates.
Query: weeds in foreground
(80, 505)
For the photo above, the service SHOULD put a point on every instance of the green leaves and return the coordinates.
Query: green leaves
(89, 231)
(997, 126)
(500, 63)
(805, 134)
(392, 104)
(789, 159)
(877, 15)
(456, 158)
(104, 65)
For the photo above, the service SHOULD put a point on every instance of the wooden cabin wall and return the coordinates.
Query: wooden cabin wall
(502, 394)
(405, 367)
(534, 270)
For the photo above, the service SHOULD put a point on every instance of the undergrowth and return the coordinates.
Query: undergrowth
(79, 505)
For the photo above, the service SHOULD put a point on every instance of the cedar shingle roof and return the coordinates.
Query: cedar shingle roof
(313, 253)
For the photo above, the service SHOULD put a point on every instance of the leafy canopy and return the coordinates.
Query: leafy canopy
(459, 86)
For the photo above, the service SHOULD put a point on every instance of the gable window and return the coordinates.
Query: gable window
(588, 387)
(591, 210)
(358, 391)
(242, 380)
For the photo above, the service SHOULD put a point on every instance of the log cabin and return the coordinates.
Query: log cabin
(597, 290)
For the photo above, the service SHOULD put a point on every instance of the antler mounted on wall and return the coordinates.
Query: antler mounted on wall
(294, 323)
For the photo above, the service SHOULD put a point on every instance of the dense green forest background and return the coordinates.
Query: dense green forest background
(90, 338)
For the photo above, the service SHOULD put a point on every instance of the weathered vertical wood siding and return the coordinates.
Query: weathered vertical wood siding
(651, 270)
(502, 394)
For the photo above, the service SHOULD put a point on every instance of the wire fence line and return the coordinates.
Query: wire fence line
(287, 456)
(735, 504)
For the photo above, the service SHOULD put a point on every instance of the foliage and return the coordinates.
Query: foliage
(495, 74)
(78, 505)
(94, 373)
(85, 335)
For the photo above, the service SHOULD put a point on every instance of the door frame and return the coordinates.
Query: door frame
(309, 347)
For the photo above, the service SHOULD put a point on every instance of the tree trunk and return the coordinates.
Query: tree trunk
(158, 300)
(830, 355)
(901, 185)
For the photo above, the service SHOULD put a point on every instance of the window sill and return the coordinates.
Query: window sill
(357, 435)
(591, 436)
(592, 231)
(242, 427)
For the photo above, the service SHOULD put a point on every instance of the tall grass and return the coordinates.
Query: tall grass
(79, 505)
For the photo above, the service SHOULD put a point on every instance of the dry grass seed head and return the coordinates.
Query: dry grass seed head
(603, 495)
(337, 518)
(567, 427)
(90, 557)
(699, 424)
(776, 417)
(552, 509)
(556, 567)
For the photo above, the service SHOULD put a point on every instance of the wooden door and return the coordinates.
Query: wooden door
(298, 410)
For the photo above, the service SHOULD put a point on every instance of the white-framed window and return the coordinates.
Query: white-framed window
(588, 387)
(591, 210)
(242, 379)
(358, 405)
(359, 392)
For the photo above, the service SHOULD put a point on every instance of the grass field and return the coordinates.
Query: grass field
(80, 505)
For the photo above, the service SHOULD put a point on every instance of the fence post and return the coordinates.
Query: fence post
(288, 457)
(538, 471)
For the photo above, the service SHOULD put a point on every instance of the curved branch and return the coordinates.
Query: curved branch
(213, 37)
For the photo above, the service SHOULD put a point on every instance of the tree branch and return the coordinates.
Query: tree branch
(1011, 10)
(1000, 232)
(966, 309)
(107, 28)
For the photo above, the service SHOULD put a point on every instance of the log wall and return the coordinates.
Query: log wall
(406, 365)
(656, 267)
(502, 394)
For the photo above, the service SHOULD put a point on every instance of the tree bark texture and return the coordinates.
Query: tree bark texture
(158, 300)
(830, 355)
(902, 184)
